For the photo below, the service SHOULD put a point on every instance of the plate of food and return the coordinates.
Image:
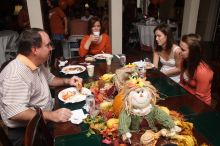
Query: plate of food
(140, 63)
(73, 69)
(72, 95)
(89, 59)
(102, 56)
(147, 65)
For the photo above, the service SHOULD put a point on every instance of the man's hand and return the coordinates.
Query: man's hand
(61, 115)
(75, 81)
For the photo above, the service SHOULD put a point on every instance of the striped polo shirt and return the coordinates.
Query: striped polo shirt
(23, 85)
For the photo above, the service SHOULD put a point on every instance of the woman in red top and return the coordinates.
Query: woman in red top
(196, 75)
(95, 41)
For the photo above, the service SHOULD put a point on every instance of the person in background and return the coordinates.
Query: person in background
(105, 20)
(23, 17)
(24, 83)
(95, 42)
(87, 16)
(153, 9)
(70, 8)
(167, 52)
(58, 28)
(140, 15)
(76, 25)
(197, 75)
(105, 25)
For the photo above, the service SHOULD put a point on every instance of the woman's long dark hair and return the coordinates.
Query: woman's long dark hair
(91, 23)
(193, 42)
(166, 30)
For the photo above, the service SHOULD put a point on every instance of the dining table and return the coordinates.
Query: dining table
(205, 119)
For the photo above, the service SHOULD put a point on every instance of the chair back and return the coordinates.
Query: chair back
(5, 64)
(78, 27)
(37, 133)
(71, 50)
(4, 140)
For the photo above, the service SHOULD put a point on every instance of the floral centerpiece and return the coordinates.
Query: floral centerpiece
(103, 88)
(136, 100)
(104, 123)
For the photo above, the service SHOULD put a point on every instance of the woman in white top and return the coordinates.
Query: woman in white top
(167, 52)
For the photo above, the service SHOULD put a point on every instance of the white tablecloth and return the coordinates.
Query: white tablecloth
(146, 33)
(7, 43)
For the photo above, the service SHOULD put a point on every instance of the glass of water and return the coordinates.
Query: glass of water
(122, 59)
(90, 104)
(147, 60)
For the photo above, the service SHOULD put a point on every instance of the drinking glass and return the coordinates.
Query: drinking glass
(109, 60)
(122, 59)
(90, 104)
(90, 69)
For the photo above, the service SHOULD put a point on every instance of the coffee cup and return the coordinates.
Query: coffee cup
(122, 59)
(109, 60)
(90, 69)
(96, 33)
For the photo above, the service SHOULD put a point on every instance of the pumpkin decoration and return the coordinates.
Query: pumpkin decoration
(117, 104)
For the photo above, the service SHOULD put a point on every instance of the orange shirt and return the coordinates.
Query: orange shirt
(200, 85)
(104, 46)
(56, 21)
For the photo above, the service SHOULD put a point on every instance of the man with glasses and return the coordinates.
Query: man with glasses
(24, 83)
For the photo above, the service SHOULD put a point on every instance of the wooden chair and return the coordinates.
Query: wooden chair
(71, 49)
(74, 45)
(78, 27)
(4, 140)
(37, 133)
(5, 64)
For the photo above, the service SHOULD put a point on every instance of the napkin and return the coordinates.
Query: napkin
(77, 116)
(140, 63)
(62, 63)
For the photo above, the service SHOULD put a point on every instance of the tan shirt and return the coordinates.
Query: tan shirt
(23, 85)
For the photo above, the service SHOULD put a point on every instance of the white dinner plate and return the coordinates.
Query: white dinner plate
(72, 95)
(73, 69)
(147, 65)
(102, 56)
